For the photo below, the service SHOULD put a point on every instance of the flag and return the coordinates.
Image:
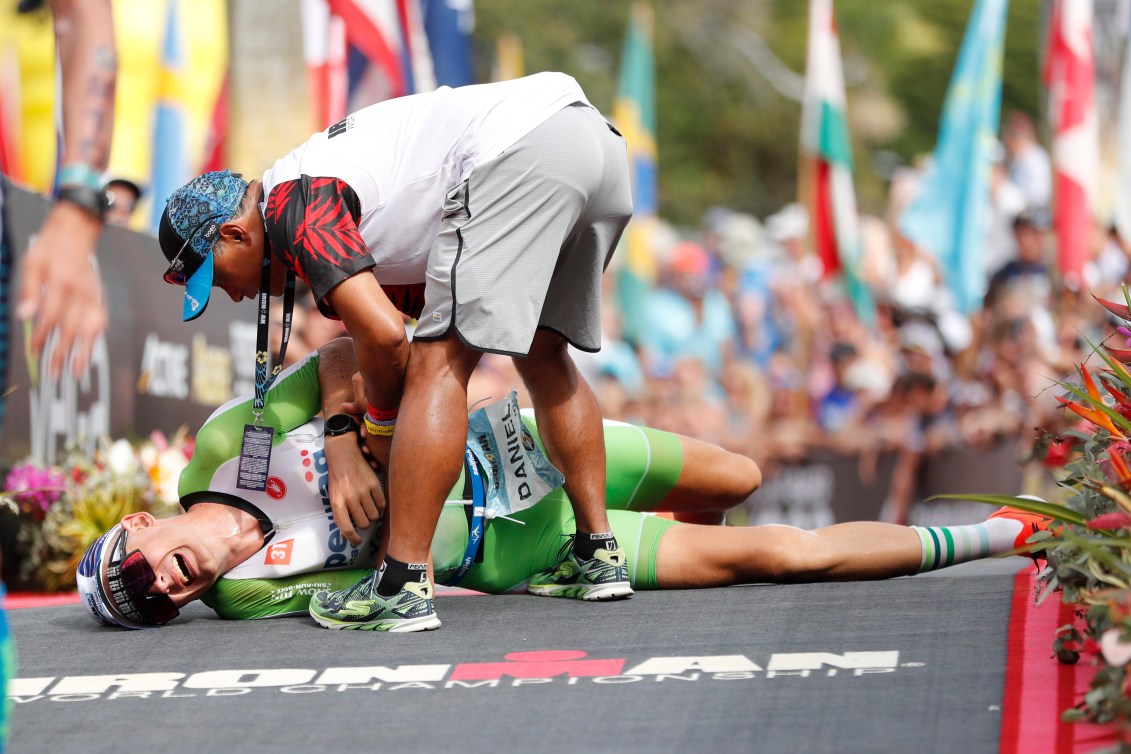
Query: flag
(216, 141)
(170, 166)
(416, 57)
(324, 52)
(1070, 77)
(359, 52)
(11, 107)
(1123, 187)
(949, 214)
(634, 113)
(828, 151)
(448, 25)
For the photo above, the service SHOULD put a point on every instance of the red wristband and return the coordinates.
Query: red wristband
(378, 415)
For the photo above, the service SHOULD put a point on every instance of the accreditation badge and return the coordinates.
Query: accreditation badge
(255, 458)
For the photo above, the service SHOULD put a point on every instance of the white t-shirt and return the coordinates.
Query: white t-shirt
(400, 158)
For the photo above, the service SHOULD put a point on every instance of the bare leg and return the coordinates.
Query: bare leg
(692, 556)
(428, 445)
(711, 482)
(569, 423)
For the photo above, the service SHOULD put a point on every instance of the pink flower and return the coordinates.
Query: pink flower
(1109, 521)
(35, 489)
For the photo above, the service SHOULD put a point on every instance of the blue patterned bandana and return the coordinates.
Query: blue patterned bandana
(189, 230)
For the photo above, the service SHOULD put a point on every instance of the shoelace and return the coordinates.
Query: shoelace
(367, 584)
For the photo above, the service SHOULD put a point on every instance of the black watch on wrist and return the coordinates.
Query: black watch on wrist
(341, 424)
(96, 202)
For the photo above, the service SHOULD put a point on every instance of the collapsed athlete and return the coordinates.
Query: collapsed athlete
(261, 554)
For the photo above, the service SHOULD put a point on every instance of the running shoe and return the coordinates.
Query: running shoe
(360, 607)
(602, 577)
(1032, 523)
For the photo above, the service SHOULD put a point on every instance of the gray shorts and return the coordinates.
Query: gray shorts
(525, 239)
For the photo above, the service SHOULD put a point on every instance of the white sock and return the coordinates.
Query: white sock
(945, 546)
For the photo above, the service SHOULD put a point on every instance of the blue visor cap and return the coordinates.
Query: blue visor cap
(189, 229)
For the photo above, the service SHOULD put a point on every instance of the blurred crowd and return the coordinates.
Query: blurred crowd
(743, 342)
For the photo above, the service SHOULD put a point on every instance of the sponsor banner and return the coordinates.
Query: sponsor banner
(149, 371)
(828, 488)
(556, 666)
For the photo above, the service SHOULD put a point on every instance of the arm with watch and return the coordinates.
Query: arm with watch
(60, 286)
(356, 498)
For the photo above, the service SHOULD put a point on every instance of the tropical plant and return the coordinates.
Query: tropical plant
(1088, 549)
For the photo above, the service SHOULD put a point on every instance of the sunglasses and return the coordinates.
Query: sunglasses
(129, 577)
(177, 274)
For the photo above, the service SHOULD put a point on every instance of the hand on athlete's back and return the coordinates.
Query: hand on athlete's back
(356, 499)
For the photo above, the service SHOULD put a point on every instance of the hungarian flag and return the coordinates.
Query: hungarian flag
(827, 155)
(1070, 77)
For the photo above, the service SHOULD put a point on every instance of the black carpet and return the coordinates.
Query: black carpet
(908, 665)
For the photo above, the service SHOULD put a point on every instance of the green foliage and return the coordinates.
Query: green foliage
(1088, 546)
(726, 135)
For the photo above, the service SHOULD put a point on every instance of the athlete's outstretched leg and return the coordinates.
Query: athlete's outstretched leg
(692, 556)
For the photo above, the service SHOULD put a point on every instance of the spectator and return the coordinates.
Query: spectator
(1007, 201)
(1023, 288)
(1027, 276)
(838, 407)
(1029, 165)
(125, 194)
(688, 316)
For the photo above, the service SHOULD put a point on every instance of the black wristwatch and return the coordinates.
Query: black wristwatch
(341, 424)
(96, 202)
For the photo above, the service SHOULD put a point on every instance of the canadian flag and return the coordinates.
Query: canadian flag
(1070, 77)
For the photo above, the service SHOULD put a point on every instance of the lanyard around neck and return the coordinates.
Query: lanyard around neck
(262, 381)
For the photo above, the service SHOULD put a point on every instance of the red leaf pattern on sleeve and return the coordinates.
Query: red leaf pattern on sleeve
(312, 223)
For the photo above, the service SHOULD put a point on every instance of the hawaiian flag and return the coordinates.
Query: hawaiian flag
(359, 52)
(1070, 77)
(634, 113)
(950, 212)
(828, 151)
